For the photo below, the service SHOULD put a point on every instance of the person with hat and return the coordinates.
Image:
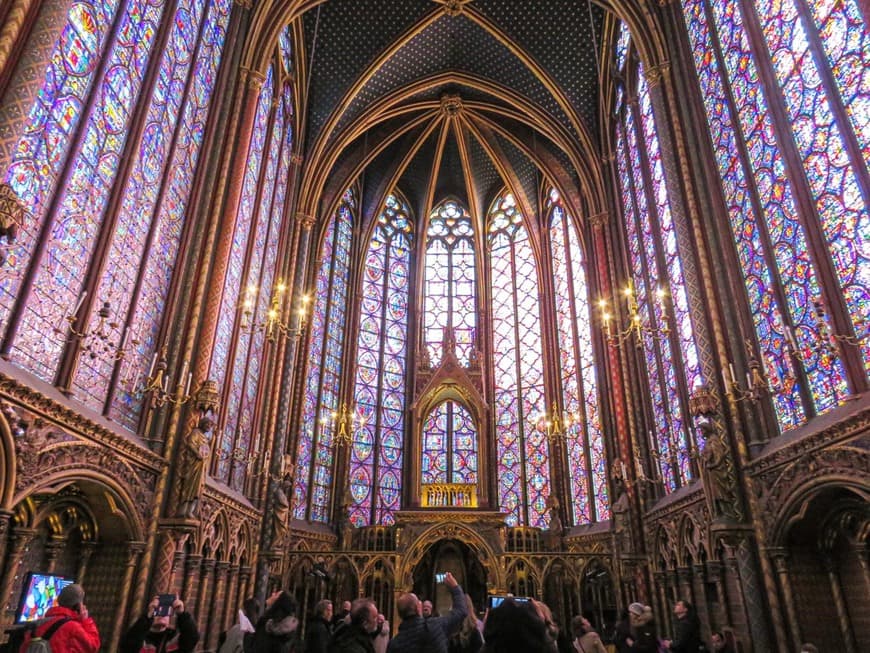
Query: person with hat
(67, 625)
(643, 637)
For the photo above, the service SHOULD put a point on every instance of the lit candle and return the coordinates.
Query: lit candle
(731, 375)
(622, 468)
(153, 364)
(125, 338)
(187, 385)
(183, 369)
(80, 302)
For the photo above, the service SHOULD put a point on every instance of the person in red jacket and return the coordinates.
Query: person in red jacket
(78, 634)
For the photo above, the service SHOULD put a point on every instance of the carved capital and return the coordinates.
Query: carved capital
(655, 74)
(599, 219)
(253, 79)
(296, 159)
(306, 220)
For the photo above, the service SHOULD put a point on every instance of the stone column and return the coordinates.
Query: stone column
(206, 572)
(230, 603)
(244, 587)
(20, 544)
(87, 551)
(190, 590)
(5, 522)
(714, 573)
(840, 604)
(779, 557)
(219, 597)
(134, 553)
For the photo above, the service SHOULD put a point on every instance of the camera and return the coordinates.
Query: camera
(164, 605)
(440, 577)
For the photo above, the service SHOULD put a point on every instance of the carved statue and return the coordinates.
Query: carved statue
(280, 518)
(554, 530)
(192, 469)
(717, 477)
(343, 526)
(621, 510)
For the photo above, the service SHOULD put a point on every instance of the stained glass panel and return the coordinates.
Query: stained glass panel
(379, 392)
(522, 448)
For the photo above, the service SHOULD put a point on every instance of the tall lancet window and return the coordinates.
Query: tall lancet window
(450, 297)
(586, 459)
(251, 284)
(104, 161)
(792, 156)
(523, 450)
(657, 292)
(315, 455)
(449, 445)
(382, 349)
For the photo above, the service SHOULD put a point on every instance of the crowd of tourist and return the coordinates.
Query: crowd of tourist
(515, 625)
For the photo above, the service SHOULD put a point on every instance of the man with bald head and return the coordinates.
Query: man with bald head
(419, 634)
(427, 609)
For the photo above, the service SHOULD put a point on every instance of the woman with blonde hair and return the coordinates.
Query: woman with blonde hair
(468, 638)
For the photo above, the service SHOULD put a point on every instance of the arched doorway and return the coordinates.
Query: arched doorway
(598, 595)
(458, 558)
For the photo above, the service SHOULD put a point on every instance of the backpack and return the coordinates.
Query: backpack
(41, 644)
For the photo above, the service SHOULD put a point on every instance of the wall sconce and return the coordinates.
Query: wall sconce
(157, 383)
(616, 336)
(555, 425)
(828, 340)
(271, 324)
(12, 214)
(347, 422)
(757, 383)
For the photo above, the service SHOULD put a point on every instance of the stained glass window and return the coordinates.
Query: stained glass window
(522, 447)
(379, 392)
(586, 457)
(657, 292)
(78, 130)
(449, 292)
(810, 50)
(449, 445)
(314, 459)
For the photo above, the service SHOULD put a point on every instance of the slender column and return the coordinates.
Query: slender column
(779, 557)
(190, 594)
(11, 28)
(243, 589)
(861, 551)
(21, 539)
(134, 553)
(723, 614)
(840, 604)
(215, 617)
(87, 552)
(6, 521)
(231, 604)
(176, 579)
(756, 611)
(684, 584)
(206, 573)
(282, 420)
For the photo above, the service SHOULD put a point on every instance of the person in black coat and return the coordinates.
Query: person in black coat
(357, 636)
(319, 629)
(687, 629)
(643, 638)
(277, 631)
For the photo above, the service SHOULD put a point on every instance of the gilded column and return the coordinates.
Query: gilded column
(231, 604)
(20, 544)
(779, 557)
(134, 553)
(840, 604)
(243, 590)
(5, 523)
